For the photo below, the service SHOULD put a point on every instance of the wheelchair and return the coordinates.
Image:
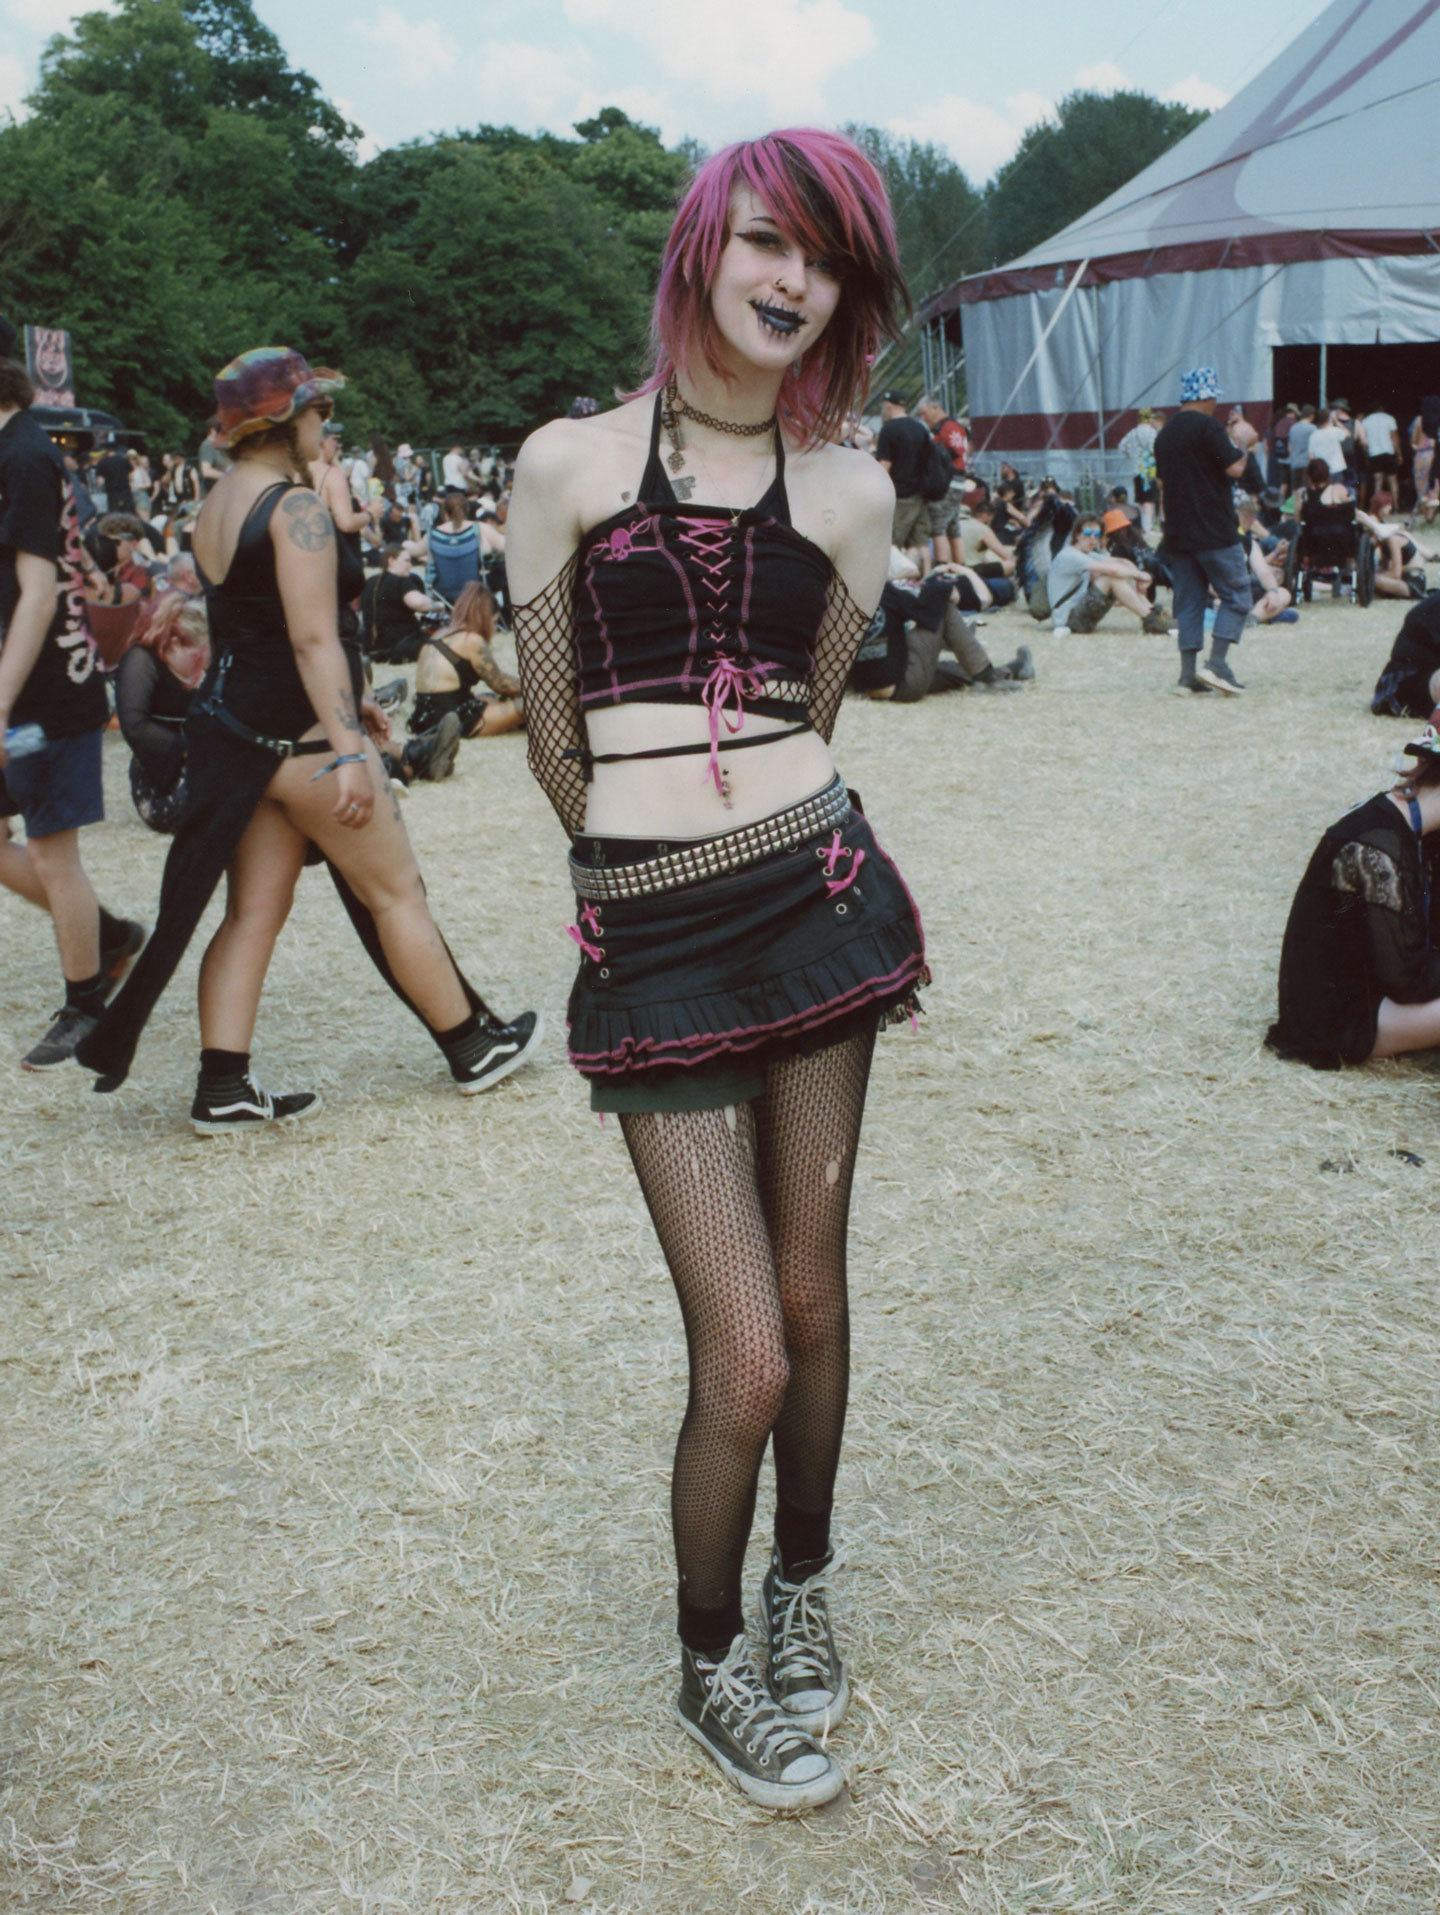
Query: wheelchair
(1330, 548)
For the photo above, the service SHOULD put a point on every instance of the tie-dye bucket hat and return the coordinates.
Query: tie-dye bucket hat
(266, 387)
(1201, 382)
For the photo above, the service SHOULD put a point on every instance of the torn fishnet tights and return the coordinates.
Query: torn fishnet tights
(555, 725)
(751, 1206)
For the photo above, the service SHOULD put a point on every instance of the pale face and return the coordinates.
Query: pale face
(771, 300)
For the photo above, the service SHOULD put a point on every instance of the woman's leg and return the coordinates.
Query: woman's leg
(1406, 1027)
(697, 1171)
(807, 1132)
(259, 889)
(379, 865)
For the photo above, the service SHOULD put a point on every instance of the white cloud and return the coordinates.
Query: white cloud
(519, 84)
(981, 138)
(53, 16)
(1106, 77)
(780, 51)
(1194, 92)
(15, 83)
(416, 51)
(366, 147)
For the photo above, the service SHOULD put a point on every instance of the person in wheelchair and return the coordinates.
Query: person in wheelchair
(1330, 545)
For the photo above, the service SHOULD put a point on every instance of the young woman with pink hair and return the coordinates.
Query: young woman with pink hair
(694, 572)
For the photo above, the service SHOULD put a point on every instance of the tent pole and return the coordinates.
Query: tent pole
(1324, 376)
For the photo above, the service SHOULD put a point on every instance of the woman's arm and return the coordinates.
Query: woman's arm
(545, 533)
(335, 491)
(304, 539)
(862, 509)
(159, 747)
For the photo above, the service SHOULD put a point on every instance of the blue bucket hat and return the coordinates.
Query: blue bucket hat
(1201, 382)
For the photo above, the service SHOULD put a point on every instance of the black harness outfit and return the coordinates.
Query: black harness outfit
(250, 712)
(702, 959)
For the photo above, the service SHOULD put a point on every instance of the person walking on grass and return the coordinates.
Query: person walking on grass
(53, 713)
(282, 766)
(1197, 464)
(696, 569)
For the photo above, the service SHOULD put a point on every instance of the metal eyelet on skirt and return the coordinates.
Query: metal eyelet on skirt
(841, 909)
(603, 972)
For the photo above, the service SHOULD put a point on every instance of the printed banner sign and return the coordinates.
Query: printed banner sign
(47, 359)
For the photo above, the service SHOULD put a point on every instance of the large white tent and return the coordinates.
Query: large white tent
(1305, 214)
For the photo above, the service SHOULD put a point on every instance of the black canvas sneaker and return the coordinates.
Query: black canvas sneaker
(725, 1707)
(1219, 678)
(227, 1105)
(806, 1677)
(431, 754)
(58, 1044)
(493, 1050)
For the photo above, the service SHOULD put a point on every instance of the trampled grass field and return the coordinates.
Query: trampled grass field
(337, 1577)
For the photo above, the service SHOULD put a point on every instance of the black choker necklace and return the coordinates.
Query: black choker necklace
(673, 408)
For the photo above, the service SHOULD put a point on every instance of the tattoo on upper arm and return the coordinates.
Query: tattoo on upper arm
(829, 515)
(307, 523)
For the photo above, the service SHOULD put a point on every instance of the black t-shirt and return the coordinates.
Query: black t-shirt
(905, 443)
(64, 693)
(394, 619)
(114, 470)
(1192, 453)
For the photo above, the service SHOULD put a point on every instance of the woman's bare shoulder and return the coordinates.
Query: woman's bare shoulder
(565, 446)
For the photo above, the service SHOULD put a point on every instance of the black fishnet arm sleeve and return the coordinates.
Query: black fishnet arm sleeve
(545, 653)
(844, 625)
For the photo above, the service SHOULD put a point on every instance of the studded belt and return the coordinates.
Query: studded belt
(715, 857)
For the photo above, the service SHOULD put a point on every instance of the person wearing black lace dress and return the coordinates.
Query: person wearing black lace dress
(1360, 964)
(693, 572)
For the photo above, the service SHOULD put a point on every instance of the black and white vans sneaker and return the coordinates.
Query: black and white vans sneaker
(493, 1051)
(725, 1707)
(806, 1676)
(227, 1105)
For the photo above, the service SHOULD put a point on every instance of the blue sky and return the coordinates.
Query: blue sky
(970, 75)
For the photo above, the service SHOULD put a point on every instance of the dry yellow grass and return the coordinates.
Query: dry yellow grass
(337, 1571)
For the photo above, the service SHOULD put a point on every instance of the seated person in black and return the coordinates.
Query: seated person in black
(1409, 686)
(392, 603)
(154, 684)
(455, 661)
(1360, 964)
(899, 657)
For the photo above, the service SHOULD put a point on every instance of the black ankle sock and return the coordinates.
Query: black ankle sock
(710, 1632)
(86, 994)
(1218, 648)
(450, 1041)
(803, 1540)
(113, 930)
(219, 1064)
(1188, 662)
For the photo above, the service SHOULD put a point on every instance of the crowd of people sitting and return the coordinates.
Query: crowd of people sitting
(433, 556)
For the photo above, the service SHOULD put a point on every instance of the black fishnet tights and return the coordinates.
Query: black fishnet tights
(751, 1207)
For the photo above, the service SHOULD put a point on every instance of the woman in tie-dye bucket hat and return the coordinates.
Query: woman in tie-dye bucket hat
(283, 771)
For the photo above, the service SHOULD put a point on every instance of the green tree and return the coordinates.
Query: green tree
(1063, 167)
(939, 216)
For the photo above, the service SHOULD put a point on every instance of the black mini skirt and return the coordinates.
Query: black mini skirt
(684, 997)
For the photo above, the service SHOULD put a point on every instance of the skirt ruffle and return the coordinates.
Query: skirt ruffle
(780, 955)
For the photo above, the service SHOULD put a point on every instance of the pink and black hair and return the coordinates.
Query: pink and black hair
(824, 193)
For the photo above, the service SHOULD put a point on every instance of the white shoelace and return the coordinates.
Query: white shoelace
(739, 1699)
(803, 1653)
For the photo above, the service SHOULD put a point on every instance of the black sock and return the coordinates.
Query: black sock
(86, 994)
(1188, 662)
(710, 1632)
(1218, 649)
(451, 1040)
(803, 1540)
(113, 931)
(223, 1064)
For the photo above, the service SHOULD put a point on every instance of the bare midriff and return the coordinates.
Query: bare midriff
(677, 797)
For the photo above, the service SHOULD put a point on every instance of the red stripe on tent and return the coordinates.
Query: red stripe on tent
(1080, 431)
(1251, 249)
